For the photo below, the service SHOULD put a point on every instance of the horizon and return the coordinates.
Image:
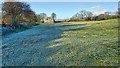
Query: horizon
(66, 10)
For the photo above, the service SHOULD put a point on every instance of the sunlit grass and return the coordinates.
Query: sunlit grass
(94, 45)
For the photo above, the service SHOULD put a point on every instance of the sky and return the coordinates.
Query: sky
(64, 0)
(68, 9)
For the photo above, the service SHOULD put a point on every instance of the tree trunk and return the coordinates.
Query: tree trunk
(14, 21)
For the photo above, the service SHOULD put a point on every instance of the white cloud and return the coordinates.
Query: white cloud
(99, 12)
(94, 7)
(97, 8)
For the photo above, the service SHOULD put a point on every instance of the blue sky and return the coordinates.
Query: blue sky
(68, 9)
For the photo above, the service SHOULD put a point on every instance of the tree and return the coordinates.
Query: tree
(53, 16)
(83, 15)
(30, 15)
(43, 15)
(107, 15)
(13, 9)
(101, 17)
(38, 19)
(76, 17)
(87, 15)
(19, 11)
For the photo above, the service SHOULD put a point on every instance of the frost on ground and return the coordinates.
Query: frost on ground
(63, 44)
(36, 46)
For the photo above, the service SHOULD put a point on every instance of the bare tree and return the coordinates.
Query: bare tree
(53, 16)
(83, 15)
(43, 15)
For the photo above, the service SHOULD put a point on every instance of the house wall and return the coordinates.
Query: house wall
(48, 20)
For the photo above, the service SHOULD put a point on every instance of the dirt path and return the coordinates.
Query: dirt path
(30, 47)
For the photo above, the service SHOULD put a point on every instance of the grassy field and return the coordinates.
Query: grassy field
(92, 43)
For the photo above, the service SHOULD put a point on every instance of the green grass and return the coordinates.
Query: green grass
(94, 45)
(69, 44)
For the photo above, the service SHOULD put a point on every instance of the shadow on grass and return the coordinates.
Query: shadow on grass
(32, 44)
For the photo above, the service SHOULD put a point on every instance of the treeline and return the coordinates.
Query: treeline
(88, 16)
(18, 14)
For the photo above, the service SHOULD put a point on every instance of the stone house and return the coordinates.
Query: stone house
(48, 20)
